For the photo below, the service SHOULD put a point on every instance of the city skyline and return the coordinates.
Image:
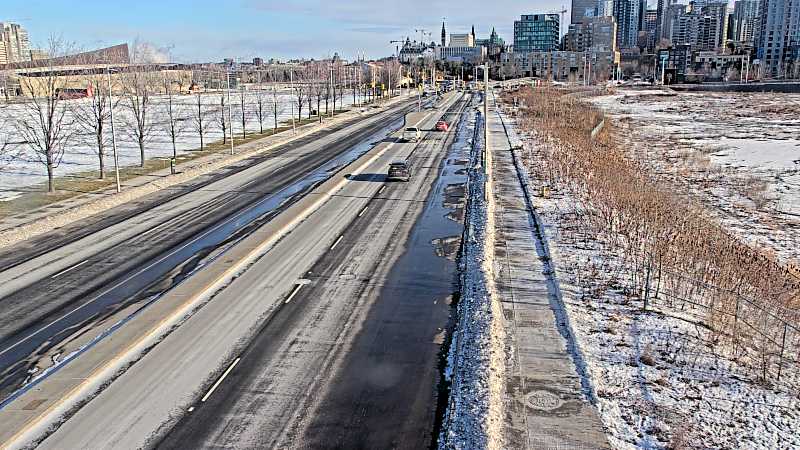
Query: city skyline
(200, 31)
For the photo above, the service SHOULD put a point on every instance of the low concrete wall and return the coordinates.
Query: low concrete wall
(792, 87)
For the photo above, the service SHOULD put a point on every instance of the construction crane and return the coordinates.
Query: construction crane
(422, 33)
(563, 11)
(397, 45)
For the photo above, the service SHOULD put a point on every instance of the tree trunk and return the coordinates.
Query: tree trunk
(50, 181)
(141, 150)
(101, 156)
(244, 130)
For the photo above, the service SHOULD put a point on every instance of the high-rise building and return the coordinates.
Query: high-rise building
(745, 21)
(444, 35)
(712, 26)
(581, 9)
(14, 44)
(702, 29)
(642, 12)
(605, 8)
(536, 33)
(626, 12)
(650, 23)
(597, 34)
(778, 39)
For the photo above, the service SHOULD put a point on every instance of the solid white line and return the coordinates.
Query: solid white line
(67, 270)
(337, 242)
(214, 388)
(294, 292)
(363, 211)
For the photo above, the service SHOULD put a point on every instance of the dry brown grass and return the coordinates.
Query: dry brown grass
(651, 226)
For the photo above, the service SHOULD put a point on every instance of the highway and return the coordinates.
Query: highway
(346, 295)
(59, 289)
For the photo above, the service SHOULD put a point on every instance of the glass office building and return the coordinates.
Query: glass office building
(536, 33)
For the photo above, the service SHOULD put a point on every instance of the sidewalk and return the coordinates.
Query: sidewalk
(66, 211)
(546, 402)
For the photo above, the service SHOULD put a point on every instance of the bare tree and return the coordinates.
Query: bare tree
(243, 111)
(92, 115)
(44, 124)
(276, 108)
(222, 119)
(300, 91)
(261, 104)
(6, 154)
(175, 125)
(139, 82)
(138, 87)
(200, 119)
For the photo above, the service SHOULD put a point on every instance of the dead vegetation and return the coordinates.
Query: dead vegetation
(680, 257)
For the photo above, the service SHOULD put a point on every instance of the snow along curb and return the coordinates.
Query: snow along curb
(474, 417)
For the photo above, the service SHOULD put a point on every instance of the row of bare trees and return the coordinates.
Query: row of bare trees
(669, 243)
(148, 100)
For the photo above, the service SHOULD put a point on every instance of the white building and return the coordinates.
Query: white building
(14, 44)
(462, 40)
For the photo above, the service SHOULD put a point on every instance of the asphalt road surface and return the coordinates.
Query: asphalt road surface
(262, 363)
(59, 287)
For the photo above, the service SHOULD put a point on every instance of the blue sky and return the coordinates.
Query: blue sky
(204, 30)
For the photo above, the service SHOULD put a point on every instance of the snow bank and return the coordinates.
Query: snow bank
(474, 414)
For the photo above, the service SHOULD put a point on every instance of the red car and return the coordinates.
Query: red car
(441, 126)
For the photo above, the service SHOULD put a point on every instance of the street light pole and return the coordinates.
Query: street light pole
(291, 84)
(230, 107)
(113, 135)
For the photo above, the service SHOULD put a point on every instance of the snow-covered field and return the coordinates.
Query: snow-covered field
(738, 153)
(660, 378)
(19, 168)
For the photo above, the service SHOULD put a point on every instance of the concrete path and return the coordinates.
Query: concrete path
(546, 407)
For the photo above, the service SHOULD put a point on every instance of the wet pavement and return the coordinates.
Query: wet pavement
(410, 319)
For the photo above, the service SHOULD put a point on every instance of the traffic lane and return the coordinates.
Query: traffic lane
(383, 394)
(260, 401)
(60, 324)
(156, 390)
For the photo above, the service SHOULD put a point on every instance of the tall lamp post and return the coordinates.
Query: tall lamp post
(230, 107)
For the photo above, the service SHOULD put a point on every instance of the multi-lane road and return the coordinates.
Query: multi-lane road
(331, 337)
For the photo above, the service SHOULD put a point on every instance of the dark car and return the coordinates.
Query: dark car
(399, 171)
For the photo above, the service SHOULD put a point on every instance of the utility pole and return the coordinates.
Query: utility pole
(113, 135)
(230, 107)
(486, 108)
(333, 110)
(291, 84)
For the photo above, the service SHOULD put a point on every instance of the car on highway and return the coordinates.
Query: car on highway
(412, 134)
(399, 171)
(442, 126)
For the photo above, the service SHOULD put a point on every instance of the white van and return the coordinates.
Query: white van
(412, 134)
